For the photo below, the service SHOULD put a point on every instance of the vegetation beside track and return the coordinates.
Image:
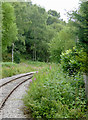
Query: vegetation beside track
(10, 69)
(52, 94)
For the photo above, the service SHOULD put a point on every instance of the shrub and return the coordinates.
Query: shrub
(73, 61)
(7, 57)
(51, 95)
(16, 57)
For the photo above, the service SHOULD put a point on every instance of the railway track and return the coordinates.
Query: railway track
(7, 88)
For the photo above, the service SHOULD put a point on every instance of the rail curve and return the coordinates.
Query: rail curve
(13, 84)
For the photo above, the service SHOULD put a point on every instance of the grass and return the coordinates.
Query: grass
(10, 69)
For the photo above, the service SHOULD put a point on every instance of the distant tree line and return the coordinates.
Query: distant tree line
(36, 34)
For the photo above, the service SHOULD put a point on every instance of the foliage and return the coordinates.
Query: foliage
(57, 26)
(36, 28)
(9, 28)
(53, 17)
(34, 34)
(37, 35)
(80, 18)
(23, 23)
(51, 20)
(73, 61)
(9, 69)
(54, 13)
(61, 42)
(51, 95)
(17, 57)
(7, 57)
(81, 22)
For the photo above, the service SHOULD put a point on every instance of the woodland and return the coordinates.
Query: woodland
(58, 50)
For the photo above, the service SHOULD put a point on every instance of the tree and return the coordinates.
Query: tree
(36, 42)
(81, 22)
(54, 13)
(9, 28)
(53, 17)
(57, 26)
(62, 41)
(23, 23)
(33, 32)
(82, 18)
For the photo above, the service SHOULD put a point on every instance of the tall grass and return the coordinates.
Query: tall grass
(10, 69)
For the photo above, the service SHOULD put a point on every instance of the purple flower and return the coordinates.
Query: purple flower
(36, 71)
(30, 80)
(34, 78)
(50, 67)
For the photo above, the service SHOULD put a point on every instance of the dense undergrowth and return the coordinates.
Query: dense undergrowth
(52, 94)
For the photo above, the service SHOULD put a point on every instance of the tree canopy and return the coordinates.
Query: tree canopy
(41, 35)
(9, 28)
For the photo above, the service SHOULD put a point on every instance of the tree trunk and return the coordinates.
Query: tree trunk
(33, 55)
(85, 76)
(34, 52)
(12, 52)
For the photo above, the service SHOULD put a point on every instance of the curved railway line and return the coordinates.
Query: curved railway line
(7, 88)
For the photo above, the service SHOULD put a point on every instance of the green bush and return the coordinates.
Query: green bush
(51, 95)
(73, 61)
(16, 57)
(7, 57)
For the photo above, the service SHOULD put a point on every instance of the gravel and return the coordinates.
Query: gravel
(14, 105)
(2, 81)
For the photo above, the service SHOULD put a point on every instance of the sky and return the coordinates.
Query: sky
(62, 6)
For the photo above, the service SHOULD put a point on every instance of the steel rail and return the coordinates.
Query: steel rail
(16, 78)
(3, 102)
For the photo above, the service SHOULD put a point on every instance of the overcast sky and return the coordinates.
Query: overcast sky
(59, 5)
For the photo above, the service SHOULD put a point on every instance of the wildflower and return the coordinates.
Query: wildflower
(30, 80)
(34, 78)
(50, 67)
(36, 71)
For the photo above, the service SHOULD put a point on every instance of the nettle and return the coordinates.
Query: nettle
(73, 61)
